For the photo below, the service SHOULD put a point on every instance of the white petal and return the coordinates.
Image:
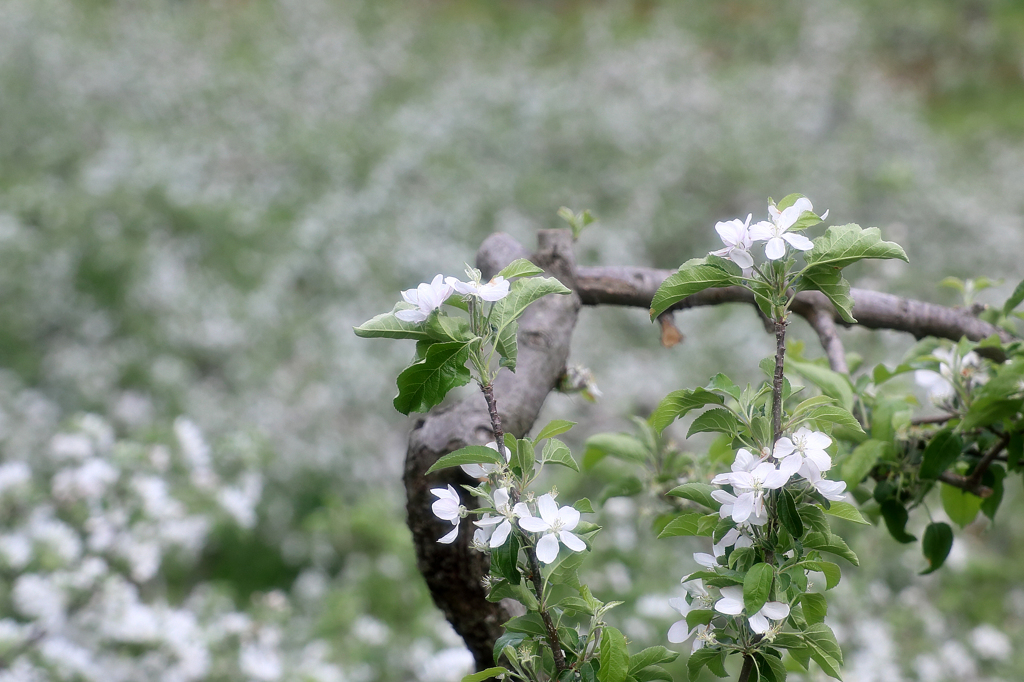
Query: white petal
(495, 290)
(501, 534)
(722, 479)
(762, 231)
(522, 511)
(741, 257)
(730, 232)
(824, 215)
(534, 525)
(569, 517)
(571, 541)
(460, 286)
(803, 204)
(723, 497)
(783, 448)
(798, 241)
(547, 548)
(679, 632)
(744, 461)
(820, 459)
(500, 498)
(547, 508)
(680, 605)
(759, 623)
(474, 471)
(450, 537)
(816, 439)
(730, 607)
(743, 480)
(775, 610)
(414, 315)
(831, 490)
(789, 466)
(706, 560)
(775, 248)
(743, 507)
(488, 520)
(445, 493)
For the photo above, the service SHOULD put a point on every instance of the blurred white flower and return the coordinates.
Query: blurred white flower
(556, 525)
(494, 290)
(991, 643)
(736, 237)
(427, 297)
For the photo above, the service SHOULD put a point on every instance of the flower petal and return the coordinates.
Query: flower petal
(414, 315)
(679, 632)
(547, 548)
(450, 537)
(798, 241)
(534, 525)
(759, 623)
(775, 610)
(501, 534)
(572, 541)
(741, 257)
(775, 248)
(569, 517)
(762, 231)
(730, 607)
(706, 560)
(743, 507)
(547, 508)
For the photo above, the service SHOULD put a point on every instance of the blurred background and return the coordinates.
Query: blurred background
(199, 461)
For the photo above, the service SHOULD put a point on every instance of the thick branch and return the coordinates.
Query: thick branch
(975, 478)
(822, 322)
(964, 483)
(454, 572)
(632, 286)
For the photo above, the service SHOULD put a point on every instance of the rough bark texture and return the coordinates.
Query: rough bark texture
(454, 572)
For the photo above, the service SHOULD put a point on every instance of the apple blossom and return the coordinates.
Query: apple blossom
(731, 604)
(734, 537)
(555, 523)
(806, 444)
(494, 290)
(503, 522)
(447, 507)
(736, 237)
(728, 500)
(680, 632)
(752, 484)
(427, 297)
(775, 232)
(830, 490)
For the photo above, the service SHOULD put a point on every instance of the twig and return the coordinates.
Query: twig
(975, 478)
(821, 321)
(964, 483)
(777, 380)
(748, 667)
(937, 419)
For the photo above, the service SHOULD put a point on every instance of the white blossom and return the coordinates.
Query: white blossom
(775, 232)
(736, 237)
(494, 290)
(556, 525)
(806, 445)
(448, 507)
(680, 632)
(503, 522)
(486, 469)
(427, 297)
(751, 486)
(731, 604)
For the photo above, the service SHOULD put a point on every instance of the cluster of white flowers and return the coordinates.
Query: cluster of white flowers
(954, 369)
(430, 296)
(803, 454)
(739, 236)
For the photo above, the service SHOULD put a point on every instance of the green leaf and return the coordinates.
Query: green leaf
(508, 346)
(815, 607)
(1015, 299)
(558, 452)
(650, 656)
(523, 456)
(692, 524)
(677, 403)
(757, 586)
(653, 673)
(845, 510)
(814, 517)
(824, 649)
(831, 383)
(424, 384)
(699, 617)
(445, 329)
(716, 420)
(837, 416)
(961, 505)
(940, 453)
(863, 458)
(505, 560)
(488, 674)
(994, 479)
(771, 669)
(828, 569)
(614, 656)
(896, 517)
(843, 245)
(387, 326)
(692, 277)
(989, 410)
(521, 294)
(583, 506)
(530, 624)
(697, 492)
(789, 515)
(555, 427)
(708, 656)
(576, 604)
(829, 281)
(471, 454)
(619, 445)
(724, 384)
(520, 267)
(832, 544)
(938, 540)
(509, 639)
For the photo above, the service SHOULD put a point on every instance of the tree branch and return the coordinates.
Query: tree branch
(822, 322)
(964, 483)
(454, 572)
(634, 286)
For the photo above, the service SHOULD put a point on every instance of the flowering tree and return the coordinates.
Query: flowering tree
(502, 557)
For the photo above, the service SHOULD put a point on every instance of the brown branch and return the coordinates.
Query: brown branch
(822, 322)
(454, 572)
(634, 286)
(937, 419)
(975, 478)
(964, 483)
(777, 380)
